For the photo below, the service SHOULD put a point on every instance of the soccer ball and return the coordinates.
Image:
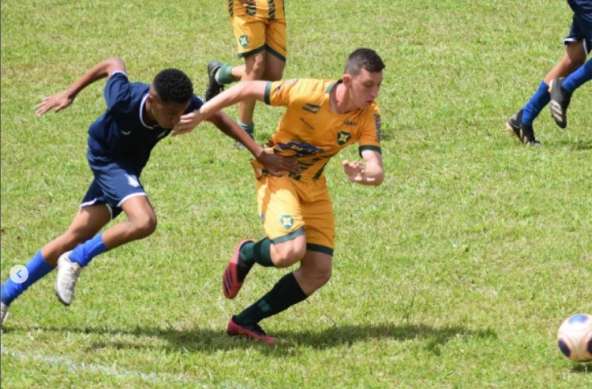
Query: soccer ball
(575, 337)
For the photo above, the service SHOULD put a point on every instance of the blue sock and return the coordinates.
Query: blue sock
(85, 252)
(37, 268)
(536, 103)
(578, 77)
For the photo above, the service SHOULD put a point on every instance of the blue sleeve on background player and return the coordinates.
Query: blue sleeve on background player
(195, 104)
(117, 92)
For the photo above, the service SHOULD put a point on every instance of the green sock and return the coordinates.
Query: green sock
(224, 75)
(284, 294)
(259, 252)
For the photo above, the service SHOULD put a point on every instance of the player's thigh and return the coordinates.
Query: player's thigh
(274, 67)
(88, 221)
(319, 225)
(279, 208)
(276, 40)
(254, 66)
(249, 34)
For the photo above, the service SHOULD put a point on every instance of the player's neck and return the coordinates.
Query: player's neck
(148, 117)
(340, 100)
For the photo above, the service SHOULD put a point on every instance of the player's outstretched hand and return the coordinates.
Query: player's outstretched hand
(354, 170)
(277, 165)
(55, 103)
(187, 123)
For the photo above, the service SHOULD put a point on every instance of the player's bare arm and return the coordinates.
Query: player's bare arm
(245, 90)
(274, 163)
(368, 171)
(65, 98)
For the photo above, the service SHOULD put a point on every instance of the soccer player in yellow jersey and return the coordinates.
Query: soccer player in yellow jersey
(322, 117)
(260, 31)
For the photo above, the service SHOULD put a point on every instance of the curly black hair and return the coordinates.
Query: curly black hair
(173, 86)
(363, 58)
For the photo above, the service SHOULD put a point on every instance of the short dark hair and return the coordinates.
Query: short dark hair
(363, 58)
(173, 86)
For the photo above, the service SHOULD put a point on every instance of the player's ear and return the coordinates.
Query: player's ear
(153, 96)
(347, 79)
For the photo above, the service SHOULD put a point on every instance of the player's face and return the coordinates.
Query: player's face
(364, 87)
(167, 115)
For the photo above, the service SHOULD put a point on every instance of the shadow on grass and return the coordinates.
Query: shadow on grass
(198, 339)
(579, 145)
(582, 368)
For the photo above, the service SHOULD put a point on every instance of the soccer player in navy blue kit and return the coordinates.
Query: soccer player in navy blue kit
(578, 44)
(137, 117)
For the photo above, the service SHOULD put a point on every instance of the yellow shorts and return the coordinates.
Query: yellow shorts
(254, 33)
(289, 208)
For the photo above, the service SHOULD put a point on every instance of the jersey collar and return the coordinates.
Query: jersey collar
(142, 104)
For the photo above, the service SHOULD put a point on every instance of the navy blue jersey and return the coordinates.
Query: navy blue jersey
(582, 8)
(121, 133)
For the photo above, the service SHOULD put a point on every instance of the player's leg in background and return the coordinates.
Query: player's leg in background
(254, 70)
(274, 67)
(275, 49)
(574, 56)
(522, 122)
(561, 88)
(87, 222)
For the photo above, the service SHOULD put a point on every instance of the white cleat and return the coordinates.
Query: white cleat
(68, 273)
(3, 313)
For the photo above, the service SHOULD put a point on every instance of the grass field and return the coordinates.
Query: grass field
(456, 272)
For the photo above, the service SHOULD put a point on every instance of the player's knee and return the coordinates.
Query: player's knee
(145, 225)
(289, 255)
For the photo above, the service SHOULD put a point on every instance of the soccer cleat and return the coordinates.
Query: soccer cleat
(523, 132)
(231, 283)
(253, 331)
(559, 102)
(213, 86)
(68, 273)
(3, 313)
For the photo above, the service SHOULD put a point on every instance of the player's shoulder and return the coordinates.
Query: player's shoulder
(310, 87)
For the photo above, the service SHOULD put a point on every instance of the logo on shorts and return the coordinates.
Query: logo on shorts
(243, 41)
(132, 180)
(286, 221)
(343, 137)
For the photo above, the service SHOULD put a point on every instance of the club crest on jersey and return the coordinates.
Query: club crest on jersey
(343, 137)
(243, 41)
(132, 180)
(312, 108)
(286, 221)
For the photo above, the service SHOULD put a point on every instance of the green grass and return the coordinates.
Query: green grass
(456, 272)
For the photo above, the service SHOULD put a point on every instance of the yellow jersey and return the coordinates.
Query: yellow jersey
(310, 131)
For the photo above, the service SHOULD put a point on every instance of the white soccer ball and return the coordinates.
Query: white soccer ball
(575, 337)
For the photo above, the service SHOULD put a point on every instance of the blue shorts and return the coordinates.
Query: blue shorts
(581, 29)
(113, 184)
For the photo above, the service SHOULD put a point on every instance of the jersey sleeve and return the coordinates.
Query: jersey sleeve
(194, 104)
(370, 133)
(117, 92)
(280, 92)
